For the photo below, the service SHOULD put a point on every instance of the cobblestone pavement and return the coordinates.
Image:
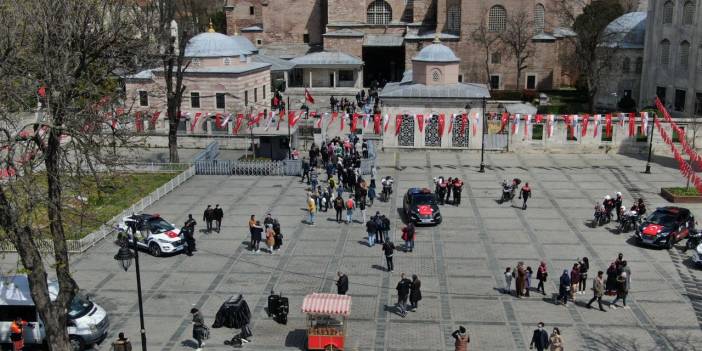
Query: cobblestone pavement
(461, 262)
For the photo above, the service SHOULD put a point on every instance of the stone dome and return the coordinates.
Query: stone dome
(627, 31)
(436, 52)
(212, 44)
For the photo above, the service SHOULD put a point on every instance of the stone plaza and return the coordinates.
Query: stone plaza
(460, 262)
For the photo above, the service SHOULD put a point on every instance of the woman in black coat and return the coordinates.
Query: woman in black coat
(415, 292)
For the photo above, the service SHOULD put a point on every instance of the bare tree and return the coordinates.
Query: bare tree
(517, 36)
(489, 42)
(70, 50)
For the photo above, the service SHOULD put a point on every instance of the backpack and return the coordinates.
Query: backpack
(349, 204)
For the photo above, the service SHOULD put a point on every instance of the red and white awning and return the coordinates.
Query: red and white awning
(331, 304)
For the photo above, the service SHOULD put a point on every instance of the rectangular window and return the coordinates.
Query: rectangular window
(306, 38)
(698, 104)
(537, 132)
(143, 98)
(194, 100)
(219, 98)
(660, 93)
(252, 10)
(255, 94)
(531, 82)
(345, 75)
(460, 78)
(603, 133)
(246, 98)
(263, 91)
(495, 58)
(259, 42)
(679, 103)
(494, 82)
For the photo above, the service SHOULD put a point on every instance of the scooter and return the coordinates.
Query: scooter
(628, 222)
(693, 240)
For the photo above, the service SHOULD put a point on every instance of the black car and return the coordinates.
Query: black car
(420, 206)
(666, 226)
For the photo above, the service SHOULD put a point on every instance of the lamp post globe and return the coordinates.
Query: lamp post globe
(124, 258)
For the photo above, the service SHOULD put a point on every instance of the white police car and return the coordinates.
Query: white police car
(153, 233)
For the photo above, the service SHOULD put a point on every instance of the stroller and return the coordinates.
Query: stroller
(278, 307)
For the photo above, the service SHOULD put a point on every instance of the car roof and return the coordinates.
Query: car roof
(144, 216)
(415, 191)
(673, 210)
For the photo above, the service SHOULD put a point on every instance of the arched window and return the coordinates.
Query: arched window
(688, 16)
(436, 75)
(539, 18)
(497, 19)
(453, 19)
(665, 52)
(626, 65)
(379, 12)
(639, 65)
(684, 55)
(668, 12)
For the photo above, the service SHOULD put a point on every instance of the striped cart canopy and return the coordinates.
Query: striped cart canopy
(331, 304)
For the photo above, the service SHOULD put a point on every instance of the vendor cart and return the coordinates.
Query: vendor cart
(326, 320)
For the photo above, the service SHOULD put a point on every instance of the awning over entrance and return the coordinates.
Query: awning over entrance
(378, 40)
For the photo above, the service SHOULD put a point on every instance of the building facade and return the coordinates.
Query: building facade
(673, 57)
(386, 34)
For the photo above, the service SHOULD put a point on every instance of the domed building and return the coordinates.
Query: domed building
(223, 76)
(432, 88)
(623, 50)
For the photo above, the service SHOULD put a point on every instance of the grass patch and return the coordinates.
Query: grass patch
(683, 191)
(90, 203)
(564, 101)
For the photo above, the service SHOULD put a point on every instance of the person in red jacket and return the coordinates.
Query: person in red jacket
(16, 333)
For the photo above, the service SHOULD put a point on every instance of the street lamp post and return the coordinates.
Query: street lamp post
(482, 147)
(650, 145)
(124, 260)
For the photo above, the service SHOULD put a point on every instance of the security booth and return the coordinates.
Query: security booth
(327, 316)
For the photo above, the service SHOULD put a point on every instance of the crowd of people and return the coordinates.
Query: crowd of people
(269, 233)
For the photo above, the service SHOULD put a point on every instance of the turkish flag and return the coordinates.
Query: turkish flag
(376, 124)
(333, 118)
(42, 91)
(608, 125)
(218, 120)
(442, 122)
(504, 120)
(453, 118)
(292, 120)
(420, 121)
(464, 124)
(354, 122)
(197, 117)
(539, 118)
(309, 97)
(632, 124)
(398, 124)
(139, 122)
(584, 123)
(239, 119)
(154, 117)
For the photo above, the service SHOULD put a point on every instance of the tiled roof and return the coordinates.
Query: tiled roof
(449, 91)
(277, 64)
(326, 58)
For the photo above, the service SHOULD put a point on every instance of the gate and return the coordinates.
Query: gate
(496, 139)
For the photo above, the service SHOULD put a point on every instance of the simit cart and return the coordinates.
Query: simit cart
(326, 320)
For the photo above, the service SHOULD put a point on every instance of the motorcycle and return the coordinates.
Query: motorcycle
(693, 240)
(387, 188)
(508, 190)
(600, 217)
(628, 222)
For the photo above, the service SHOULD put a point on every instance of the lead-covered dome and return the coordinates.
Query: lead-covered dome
(218, 45)
(436, 52)
(627, 31)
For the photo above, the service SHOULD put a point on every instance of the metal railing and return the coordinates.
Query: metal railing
(80, 245)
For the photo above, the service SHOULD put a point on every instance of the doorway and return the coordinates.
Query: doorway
(383, 63)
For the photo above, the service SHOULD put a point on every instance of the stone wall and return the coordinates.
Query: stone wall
(282, 21)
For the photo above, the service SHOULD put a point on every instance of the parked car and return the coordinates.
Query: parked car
(87, 322)
(420, 206)
(153, 233)
(666, 226)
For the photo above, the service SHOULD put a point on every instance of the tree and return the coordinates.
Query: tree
(63, 53)
(488, 42)
(516, 37)
(594, 46)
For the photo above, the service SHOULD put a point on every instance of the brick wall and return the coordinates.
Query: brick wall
(351, 46)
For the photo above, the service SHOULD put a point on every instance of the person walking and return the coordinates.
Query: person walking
(527, 287)
(256, 233)
(521, 279)
(539, 338)
(371, 193)
(189, 235)
(350, 205)
(305, 170)
(338, 207)
(342, 283)
(362, 206)
(525, 194)
(312, 209)
(597, 290)
(555, 341)
(611, 282)
(622, 290)
(403, 290)
(508, 280)
(408, 235)
(278, 235)
(207, 216)
(541, 276)
(449, 189)
(457, 189)
(314, 177)
(122, 343)
(563, 288)
(574, 280)
(218, 214)
(270, 238)
(584, 267)
(372, 232)
(199, 328)
(415, 293)
(389, 250)
(461, 339)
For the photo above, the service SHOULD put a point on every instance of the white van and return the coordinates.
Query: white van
(87, 322)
